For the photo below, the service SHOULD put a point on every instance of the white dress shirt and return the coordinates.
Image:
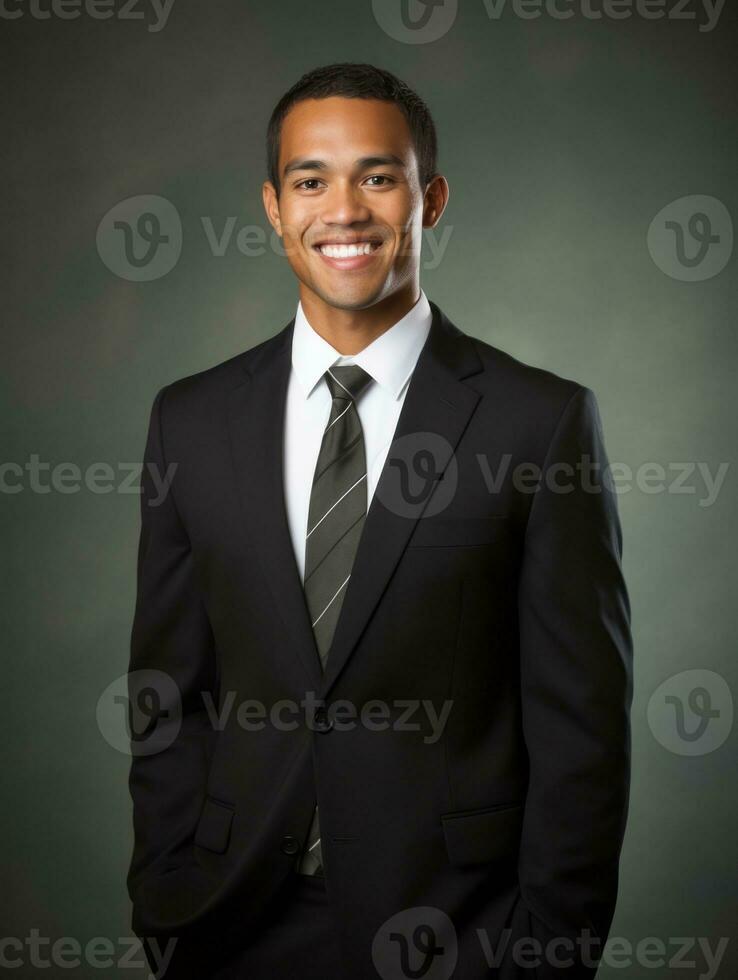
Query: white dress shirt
(390, 360)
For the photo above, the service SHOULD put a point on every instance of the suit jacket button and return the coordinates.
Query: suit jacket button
(323, 723)
(290, 844)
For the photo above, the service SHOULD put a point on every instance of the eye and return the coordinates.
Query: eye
(309, 181)
(380, 180)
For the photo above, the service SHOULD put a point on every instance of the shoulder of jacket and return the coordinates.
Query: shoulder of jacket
(219, 378)
(536, 387)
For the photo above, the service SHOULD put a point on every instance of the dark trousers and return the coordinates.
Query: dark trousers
(295, 940)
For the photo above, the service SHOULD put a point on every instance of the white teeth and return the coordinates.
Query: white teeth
(347, 251)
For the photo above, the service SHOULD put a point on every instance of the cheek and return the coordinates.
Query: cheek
(408, 229)
(295, 220)
(291, 231)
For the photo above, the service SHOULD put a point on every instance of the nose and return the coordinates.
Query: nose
(344, 205)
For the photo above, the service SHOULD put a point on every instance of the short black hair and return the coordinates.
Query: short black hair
(358, 81)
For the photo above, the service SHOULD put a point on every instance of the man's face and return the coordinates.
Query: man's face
(350, 209)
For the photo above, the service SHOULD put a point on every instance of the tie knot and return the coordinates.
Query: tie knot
(347, 380)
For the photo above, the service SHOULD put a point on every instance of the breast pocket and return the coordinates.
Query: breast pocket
(449, 532)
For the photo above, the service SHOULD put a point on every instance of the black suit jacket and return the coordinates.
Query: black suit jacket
(506, 602)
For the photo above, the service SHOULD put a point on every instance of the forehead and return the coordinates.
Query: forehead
(339, 129)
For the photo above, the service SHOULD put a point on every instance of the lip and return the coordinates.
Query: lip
(350, 262)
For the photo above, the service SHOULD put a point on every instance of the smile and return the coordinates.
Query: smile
(348, 257)
(336, 251)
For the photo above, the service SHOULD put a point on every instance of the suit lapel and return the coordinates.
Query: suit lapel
(436, 402)
(256, 420)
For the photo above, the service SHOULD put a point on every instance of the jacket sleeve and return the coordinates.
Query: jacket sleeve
(172, 665)
(576, 689)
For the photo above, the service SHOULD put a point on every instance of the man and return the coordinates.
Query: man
(381, 635)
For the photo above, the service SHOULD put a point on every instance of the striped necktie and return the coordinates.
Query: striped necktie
(338, 506)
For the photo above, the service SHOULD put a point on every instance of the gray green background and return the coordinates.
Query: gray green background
(561, 141)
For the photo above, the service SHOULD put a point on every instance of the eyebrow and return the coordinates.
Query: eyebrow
(363, 163)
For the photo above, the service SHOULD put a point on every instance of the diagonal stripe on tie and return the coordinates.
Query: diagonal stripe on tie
(338, 504)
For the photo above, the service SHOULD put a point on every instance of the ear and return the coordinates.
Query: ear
(271, 205)
(435, 200)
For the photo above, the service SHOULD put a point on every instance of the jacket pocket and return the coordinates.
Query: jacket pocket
(214, 827)
(488, 834)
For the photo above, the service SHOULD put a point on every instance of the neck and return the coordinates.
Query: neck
(350, 331)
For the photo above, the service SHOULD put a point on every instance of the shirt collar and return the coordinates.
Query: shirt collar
(390, 359)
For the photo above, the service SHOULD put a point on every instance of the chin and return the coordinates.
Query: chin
(350, 299)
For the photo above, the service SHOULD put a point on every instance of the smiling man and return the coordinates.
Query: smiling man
(384, 678)
(352, 185)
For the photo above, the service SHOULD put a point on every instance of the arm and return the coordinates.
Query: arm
(172, 662)
(576, 688)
